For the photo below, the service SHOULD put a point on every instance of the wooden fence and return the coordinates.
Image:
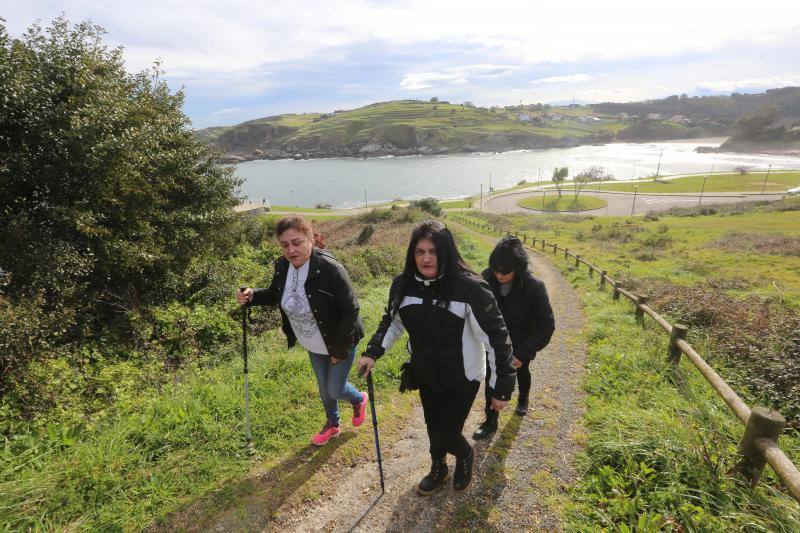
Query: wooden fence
(759, 443)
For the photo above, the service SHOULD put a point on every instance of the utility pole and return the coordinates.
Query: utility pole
(659, 163)
(291, 194)
(544, 192)
(490, 183)
(366, 206)
(633, 206)
(764, 186)
(702, 189)
(481, 209)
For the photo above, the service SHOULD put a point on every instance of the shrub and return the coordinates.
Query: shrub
(429, 205)
(365, 235)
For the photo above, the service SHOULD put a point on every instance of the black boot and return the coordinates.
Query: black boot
(487, 427)
(522, 405)
(435, 478)
(462, 477)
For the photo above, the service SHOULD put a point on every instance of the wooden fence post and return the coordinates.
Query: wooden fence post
(524, 237)
(533, 242)
(603, 279)
(555, 248)
(591, 270)
(763, 424)
(566, 253)
(641, 300)
(615, 294)
(543, 244)
(577, 259)
(679, 332)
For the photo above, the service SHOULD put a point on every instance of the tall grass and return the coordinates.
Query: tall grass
(172, 445)
(660, 444)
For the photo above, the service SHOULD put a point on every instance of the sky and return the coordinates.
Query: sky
(240, 60)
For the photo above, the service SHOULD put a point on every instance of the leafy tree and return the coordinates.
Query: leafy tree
(755, 124)
(559, 175)
(592, 174)
(108, 199)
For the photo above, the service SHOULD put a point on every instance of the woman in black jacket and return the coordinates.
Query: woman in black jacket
(454, 327)
(529, 318)
(320, 310)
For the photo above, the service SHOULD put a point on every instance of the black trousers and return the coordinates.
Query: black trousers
(445, 415)
(523, 383)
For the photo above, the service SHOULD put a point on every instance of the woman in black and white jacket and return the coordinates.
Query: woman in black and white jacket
(454, 328)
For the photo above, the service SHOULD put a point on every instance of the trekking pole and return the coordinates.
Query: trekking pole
(371, 391)
(245, 316)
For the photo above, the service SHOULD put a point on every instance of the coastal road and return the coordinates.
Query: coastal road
(621, 203)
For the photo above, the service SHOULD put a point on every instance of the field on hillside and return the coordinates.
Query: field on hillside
(732, 276)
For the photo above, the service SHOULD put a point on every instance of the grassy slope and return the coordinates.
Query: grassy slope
(180, 443)
(659, 446)
(407, 122)
(657, 453)
(683, 250)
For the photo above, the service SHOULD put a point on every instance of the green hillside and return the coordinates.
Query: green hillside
(406, 127)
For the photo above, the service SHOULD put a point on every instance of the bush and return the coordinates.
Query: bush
(429, 205)
(365, 235)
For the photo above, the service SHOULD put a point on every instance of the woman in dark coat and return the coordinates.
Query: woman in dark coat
(528, 316)
(454, 327)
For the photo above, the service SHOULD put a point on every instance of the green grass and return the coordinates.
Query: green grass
(567, 202)
(660, 444)
(682, 250)
(174, 445)
(752, 182)
(456, 204)
(295, 209)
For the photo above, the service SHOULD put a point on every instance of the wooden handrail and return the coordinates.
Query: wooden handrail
(783, 467)
(660, 320)
(739, 408)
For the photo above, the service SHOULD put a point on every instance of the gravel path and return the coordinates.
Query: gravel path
(520, 473)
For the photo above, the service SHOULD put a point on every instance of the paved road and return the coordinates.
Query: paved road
(620, 203)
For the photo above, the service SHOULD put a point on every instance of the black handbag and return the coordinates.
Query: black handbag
(407, 379)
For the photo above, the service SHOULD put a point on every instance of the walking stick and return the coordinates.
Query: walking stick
(371, 392)
(245, 316)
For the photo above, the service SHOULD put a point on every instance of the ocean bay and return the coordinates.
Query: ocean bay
(343, 182)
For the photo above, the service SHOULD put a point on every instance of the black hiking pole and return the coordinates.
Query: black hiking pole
(245, 317)
(371, 392)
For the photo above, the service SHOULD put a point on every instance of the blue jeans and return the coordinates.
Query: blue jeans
(333, 384)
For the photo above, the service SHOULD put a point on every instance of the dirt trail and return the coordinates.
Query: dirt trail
(520, 472)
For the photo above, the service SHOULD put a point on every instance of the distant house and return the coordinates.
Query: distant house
(523, 117)
(655, 116)
(622, 116)
(680, 119)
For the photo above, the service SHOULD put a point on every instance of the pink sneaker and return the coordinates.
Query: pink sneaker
(360, 410)
(328, 432)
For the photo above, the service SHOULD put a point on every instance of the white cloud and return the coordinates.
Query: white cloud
(727, 86)
(570, 78)
(204, 35)
(454, 76)
(227, 111)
